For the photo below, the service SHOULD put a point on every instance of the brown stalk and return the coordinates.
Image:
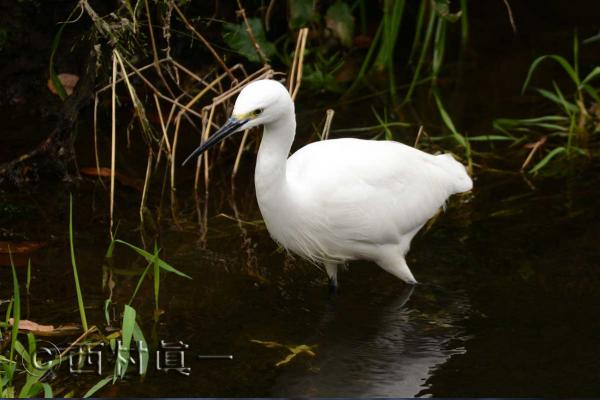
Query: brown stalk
(96, 156)
(534, 148)
(302, 36)
(250, 32)
(162, 124)
(113, 149)
(418, 136)
(173, 163)
(268, 14)
(327, 126)
(510, 16)
(146, 182)
(129, 75)
(204, 41)
(79, 339)
(155, 51)
(238, 157)
(192, 74)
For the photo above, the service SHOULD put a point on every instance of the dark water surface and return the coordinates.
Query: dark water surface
(507, 305)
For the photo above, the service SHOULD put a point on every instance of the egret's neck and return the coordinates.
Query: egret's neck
(270, 174)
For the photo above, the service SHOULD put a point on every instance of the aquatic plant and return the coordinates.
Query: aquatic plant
(568, 132)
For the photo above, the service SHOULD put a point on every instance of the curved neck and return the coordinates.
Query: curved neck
(277, 139)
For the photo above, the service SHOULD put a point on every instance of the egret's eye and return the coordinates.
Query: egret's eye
(258, 111)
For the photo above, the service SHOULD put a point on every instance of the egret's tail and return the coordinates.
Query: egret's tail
(461, 181)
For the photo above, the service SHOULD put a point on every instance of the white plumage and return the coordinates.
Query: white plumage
(342, 199)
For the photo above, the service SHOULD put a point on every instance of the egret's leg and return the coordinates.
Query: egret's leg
(393, 262)
(332, 269)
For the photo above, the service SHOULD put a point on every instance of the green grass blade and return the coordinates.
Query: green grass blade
(591, 76)
(138, 336)
(101, 383)
(75, 274)
(156, 278)
(560, 60)
(28, 281)
(490, 138)
(16, 311)
(48, 394)
(150, 258)
(592, 92)
(567, 105)
(547, 159)
(126, 335)
(422, 55)
(464, 22)
(418, 29)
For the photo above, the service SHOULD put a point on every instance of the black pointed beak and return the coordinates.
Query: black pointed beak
(231, 126)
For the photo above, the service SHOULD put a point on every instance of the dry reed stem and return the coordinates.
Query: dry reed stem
(137, 106)
(250, 32)
(238, 157)
(96, 155)
(297, 66)
(536, 146)
(162, 124)
(265, 72)
(85, 334)
(192, 74)
(155, 51)
(268, 15)
(157, 92)
(205, 42)
(204, 139)
(203, 91)
(418, 136)
(173, 163)
(113, 148)
(327, 126)
(146, 182)
(510, 16)
(129, 75)
(198, 161)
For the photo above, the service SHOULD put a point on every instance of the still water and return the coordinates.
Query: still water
(507, 304)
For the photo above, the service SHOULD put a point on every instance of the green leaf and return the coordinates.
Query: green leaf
(48, 394)
(126, 335)
(592, 75)
(302, 13)
(489, 138)
(150, 258)
(97, 387)
(547, 159)
(570, 107)
(442, 8)
(238, 39)
(341, 22)
(560, 60)
(16, 308)
(138, 336)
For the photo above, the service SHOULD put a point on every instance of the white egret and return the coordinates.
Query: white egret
(338, 200)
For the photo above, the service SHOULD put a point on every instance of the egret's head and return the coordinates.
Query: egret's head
(260, 102)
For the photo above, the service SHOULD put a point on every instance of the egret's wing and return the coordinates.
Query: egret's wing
(367, 190)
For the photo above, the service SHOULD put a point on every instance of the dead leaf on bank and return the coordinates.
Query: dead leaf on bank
(69, 81)
(294, 350)
(46, 330)
(21, 251)
(20, 247)
(124, 180)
